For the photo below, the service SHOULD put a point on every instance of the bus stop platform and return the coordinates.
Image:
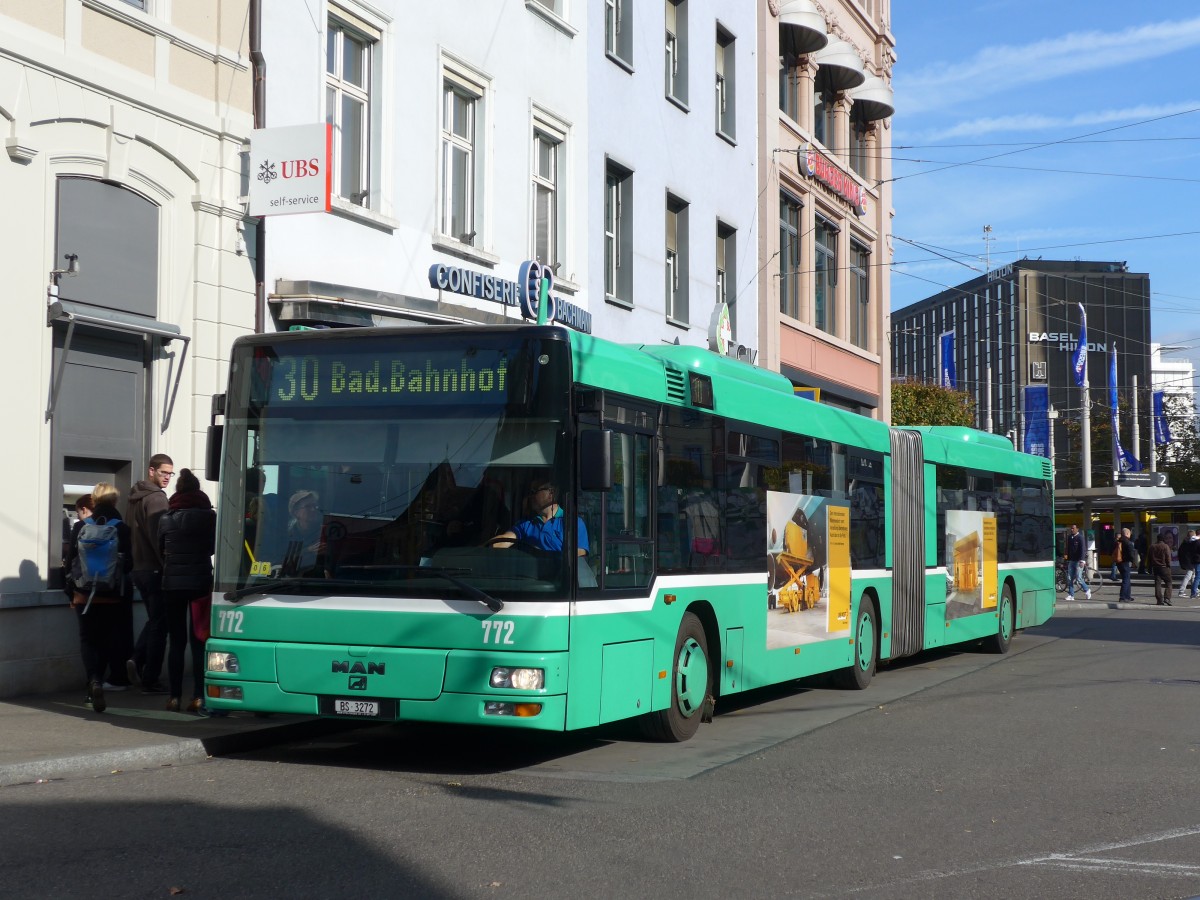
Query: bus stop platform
(50, 736)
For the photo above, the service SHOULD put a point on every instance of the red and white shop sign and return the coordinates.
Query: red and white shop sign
(291, 169)
(841, 183)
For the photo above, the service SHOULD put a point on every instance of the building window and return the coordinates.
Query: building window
(789, 90)
(618, 233)
(824, 122)
(825, 277)
(789, 255)
(462, 159)
(618, 31)
(348, 61)
(138, 4)
(726, 120)
(676, 50)
(727, 271)
(547, 226)
(859, 136)
(555, 6)
(677, 259)
(860, 294)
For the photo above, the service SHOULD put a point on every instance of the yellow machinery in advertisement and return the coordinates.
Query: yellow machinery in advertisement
(802, 587)
(966, 563)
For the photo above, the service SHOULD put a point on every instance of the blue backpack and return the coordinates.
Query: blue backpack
(99, 561)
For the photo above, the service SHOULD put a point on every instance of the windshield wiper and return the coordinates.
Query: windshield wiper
(279, 584)
(492, 603)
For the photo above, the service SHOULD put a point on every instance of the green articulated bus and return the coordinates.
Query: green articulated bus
(531, 527)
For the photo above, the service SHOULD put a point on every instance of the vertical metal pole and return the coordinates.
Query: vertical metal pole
(1085, 427)
(988, 407)
(1137, 449)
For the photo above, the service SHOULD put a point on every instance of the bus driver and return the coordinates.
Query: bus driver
(544, 526)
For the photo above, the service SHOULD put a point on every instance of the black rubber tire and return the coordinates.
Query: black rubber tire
(1006, 616)
(680, 721)
(857, 676)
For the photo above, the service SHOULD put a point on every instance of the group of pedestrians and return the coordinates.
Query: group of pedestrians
(163, 548)
(1157, 561)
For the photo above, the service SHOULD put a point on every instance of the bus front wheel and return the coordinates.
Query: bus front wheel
(691, 686)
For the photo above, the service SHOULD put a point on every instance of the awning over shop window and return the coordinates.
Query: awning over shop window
(69, 313)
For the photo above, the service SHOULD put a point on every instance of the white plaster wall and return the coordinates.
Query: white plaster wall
(528, 62)
(670, 150)
(72, 113)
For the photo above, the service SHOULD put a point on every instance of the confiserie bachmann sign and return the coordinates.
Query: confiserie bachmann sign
(838, 181)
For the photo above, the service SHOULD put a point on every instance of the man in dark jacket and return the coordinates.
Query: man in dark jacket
(1160, 567)
(1187, 562)
(147, 503)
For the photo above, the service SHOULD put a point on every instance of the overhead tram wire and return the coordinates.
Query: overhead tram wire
(1067, 140)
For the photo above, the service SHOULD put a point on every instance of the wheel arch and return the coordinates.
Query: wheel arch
(703, 610)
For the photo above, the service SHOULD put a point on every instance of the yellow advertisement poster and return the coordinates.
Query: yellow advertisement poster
(839, 567)
(808, 569)
(991, 572)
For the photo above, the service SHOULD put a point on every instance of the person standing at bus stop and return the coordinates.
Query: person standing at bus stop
(1160, 567)
(147, 504)
(1076, 564)
(1189, 561)
(1122, 556)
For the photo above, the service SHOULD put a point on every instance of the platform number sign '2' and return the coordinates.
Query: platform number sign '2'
(498, 632)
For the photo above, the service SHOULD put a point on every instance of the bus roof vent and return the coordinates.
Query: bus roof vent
(1048, 470)
(676, 386)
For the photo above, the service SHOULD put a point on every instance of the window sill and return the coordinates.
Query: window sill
(677, 323)
(464, 251)
(343, 208)
(553, 18)
(675, 101)
(620, 63)
(566, 286)
(727, 138)
(614, 300)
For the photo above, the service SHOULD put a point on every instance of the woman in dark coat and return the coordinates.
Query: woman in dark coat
(187, 533)
(102, 615)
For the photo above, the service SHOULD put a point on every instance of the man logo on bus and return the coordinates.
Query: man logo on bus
(345, 667)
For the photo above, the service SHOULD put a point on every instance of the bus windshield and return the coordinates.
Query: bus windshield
(394, 464)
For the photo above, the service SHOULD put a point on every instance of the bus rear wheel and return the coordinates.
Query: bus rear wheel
(691, 686)
(858, 675)
(999, 642)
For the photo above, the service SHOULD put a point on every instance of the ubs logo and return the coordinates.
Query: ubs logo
(266, 172)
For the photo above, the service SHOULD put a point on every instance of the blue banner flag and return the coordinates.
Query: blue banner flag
(949, 378)
(1162, 430)
(1123, 460)
(1079, 360)
(1037, 420)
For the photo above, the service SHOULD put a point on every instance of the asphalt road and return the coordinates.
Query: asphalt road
(1068, 768)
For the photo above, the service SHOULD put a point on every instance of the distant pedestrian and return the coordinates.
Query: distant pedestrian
(1122, 555)
(1160, 566)
(1141, 546)
(187, 532)
(147, 504)
(1076, 564)
(1189, 562)
(100, 610)
(1194, 541)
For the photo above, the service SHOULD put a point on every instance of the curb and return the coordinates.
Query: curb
(185, 751)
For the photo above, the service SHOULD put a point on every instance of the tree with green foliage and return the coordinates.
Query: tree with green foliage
(918, 403)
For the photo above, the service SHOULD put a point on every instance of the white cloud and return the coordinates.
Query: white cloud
(1023, 123)
(995, 69)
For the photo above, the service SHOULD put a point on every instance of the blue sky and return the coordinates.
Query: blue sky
(979, 79)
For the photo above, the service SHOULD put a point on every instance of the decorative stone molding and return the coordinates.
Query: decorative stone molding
(19, 149)
(773, 7)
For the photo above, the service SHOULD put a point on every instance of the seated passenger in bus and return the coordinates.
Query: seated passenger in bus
(305, 551)
(543, 528)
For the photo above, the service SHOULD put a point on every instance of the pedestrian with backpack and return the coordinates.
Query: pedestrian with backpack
(101, 560)
(188, 533)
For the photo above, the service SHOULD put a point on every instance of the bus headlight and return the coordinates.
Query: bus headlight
(518, 679)
(222, 662)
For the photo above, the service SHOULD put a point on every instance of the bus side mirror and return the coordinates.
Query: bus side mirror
(595, 460)
(212, 452)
